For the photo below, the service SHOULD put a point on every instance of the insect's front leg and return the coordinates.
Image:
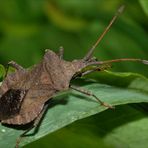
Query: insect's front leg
(14, 65)
(86, 92)
(92, 69)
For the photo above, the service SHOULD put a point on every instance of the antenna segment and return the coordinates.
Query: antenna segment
(90, 52)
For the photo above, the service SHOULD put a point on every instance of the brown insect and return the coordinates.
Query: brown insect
(23, 94)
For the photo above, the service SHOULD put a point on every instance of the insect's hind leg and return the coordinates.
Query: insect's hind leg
(35, 125)
(86, 92)
(14, 65)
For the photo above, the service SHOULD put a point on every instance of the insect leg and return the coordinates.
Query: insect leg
(14, 65)
(61, 52)
(93, 69)
(98, 68)
(35, 125)
(86, 92)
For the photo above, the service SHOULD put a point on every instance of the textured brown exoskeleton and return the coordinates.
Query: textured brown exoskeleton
(23, 94)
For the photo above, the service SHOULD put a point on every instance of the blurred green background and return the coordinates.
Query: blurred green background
(29, 27)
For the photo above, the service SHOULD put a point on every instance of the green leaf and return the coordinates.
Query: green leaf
(109, 129)
(71, 106)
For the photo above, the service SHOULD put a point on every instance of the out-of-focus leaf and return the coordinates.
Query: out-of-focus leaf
(144, 4)
(62, 20)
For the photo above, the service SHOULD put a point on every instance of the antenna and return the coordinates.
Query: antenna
(118, 60)
(90, 52)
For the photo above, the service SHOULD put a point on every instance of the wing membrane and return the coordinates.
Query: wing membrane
(10, 103)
